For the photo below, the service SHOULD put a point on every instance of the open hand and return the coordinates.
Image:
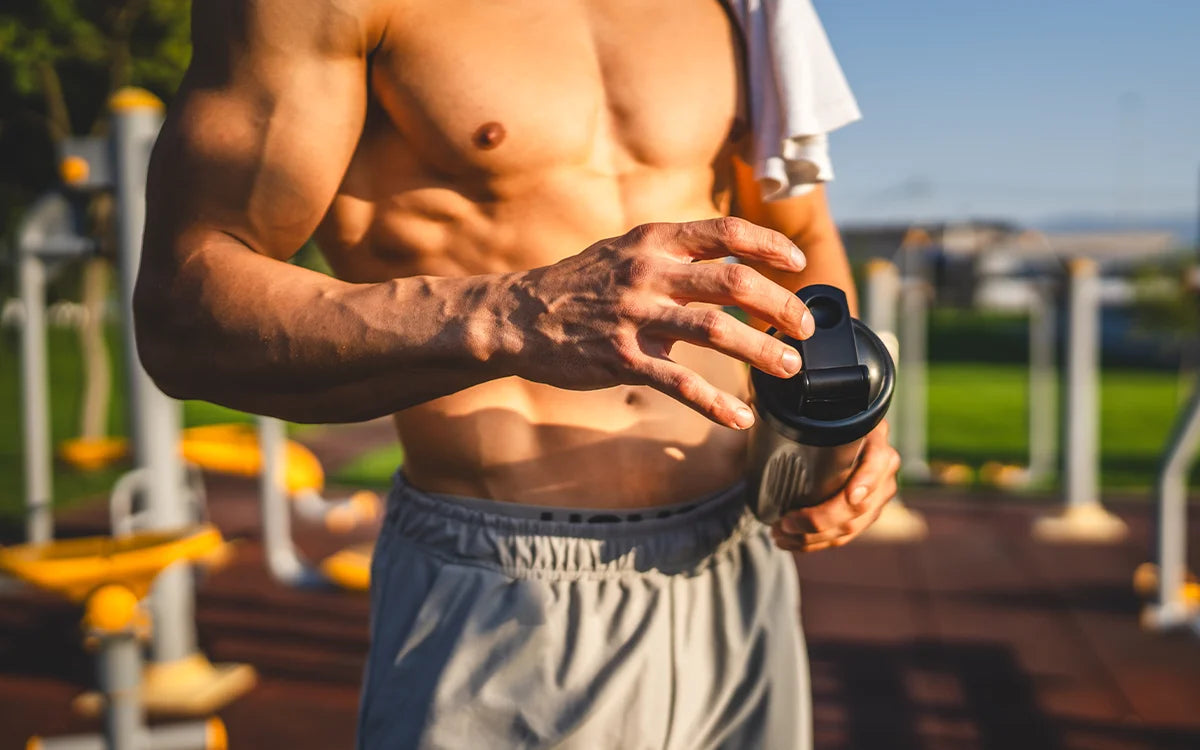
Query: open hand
(610, 315)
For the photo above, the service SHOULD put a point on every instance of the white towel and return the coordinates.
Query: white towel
(797, 94)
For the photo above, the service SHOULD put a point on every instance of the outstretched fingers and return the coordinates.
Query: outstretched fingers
(725, 236)
(716, 329)
(741, 286)
(692, 390)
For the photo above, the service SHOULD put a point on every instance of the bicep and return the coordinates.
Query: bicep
(262, 130)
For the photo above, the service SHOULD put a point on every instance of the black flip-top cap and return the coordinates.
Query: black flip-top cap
(845, 386)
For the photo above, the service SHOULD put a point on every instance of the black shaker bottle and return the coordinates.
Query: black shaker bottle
(811, 426)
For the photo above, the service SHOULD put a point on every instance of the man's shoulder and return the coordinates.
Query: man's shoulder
(332, 28)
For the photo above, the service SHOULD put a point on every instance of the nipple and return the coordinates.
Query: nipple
(488, 136)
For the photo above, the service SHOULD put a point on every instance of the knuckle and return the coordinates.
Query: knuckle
(688, 386)
(771, 350)
(732, 229)
(648, 232)
(793, 308)
(714, 325)
(739, 280)
(628, 353)
(820, 525)
(691, 387)
(635, 270)
(781, 244)
(630, 310)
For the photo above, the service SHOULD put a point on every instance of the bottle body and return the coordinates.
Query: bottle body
(785, 475)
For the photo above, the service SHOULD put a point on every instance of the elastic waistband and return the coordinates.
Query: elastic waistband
(530, 541)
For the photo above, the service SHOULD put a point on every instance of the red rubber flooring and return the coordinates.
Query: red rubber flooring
(976, 638)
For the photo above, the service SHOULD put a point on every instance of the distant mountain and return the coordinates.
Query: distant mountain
(1182, 226)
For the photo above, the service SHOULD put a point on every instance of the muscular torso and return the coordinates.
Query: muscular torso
(508, 135)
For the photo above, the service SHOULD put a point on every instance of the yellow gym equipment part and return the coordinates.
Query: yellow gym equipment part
(1145, 583)
(111, 576)
(350, 568)
(236, 449)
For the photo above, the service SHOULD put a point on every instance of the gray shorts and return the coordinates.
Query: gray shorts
(498, 626)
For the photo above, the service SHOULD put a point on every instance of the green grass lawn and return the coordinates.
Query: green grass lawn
(373, 469)
(977, 414)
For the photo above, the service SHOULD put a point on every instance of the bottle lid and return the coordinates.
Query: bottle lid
(845, 386)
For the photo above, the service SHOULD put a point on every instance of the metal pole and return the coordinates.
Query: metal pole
(35, 402)
(1043, 383)
(882, 287)
(155, 418)
(882, 297)
(1083, 518)
(1171, 608)
(120, 677)
(911, 373)
(47, 231)
(1083, 373)
(282, 560)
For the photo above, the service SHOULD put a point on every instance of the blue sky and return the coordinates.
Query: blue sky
(1017, 109)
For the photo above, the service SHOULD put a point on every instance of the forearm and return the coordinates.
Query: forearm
(249, 332)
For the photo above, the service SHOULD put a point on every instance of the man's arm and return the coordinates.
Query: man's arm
(249, 160)
(806, 219)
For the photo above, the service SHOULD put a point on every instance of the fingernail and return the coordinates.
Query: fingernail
(798, 259)
(743, 418)
(791, 361)
(857, 495)
(790, 526)
(807, 324)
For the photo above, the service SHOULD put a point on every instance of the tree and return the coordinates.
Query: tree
(60, 61)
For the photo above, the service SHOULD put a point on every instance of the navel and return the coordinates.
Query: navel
(488, 136)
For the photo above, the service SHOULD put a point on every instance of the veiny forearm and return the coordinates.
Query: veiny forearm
(246, 331)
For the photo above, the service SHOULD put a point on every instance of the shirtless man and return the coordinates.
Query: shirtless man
(513, 196)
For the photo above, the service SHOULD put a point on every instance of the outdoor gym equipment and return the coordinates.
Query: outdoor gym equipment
(46, 235)
(111, 576)
(179, 679)
(916, 292)
(881, 295)
(49, 234)
(1177, 597)
(1083, 518)
(1035, 297)
(236, 449)
(349, 568)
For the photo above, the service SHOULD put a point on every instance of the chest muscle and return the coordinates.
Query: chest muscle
(502, 87)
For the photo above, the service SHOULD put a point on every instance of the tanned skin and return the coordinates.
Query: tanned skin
(515, 198)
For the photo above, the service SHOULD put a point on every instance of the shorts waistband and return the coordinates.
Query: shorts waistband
(532, 541)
